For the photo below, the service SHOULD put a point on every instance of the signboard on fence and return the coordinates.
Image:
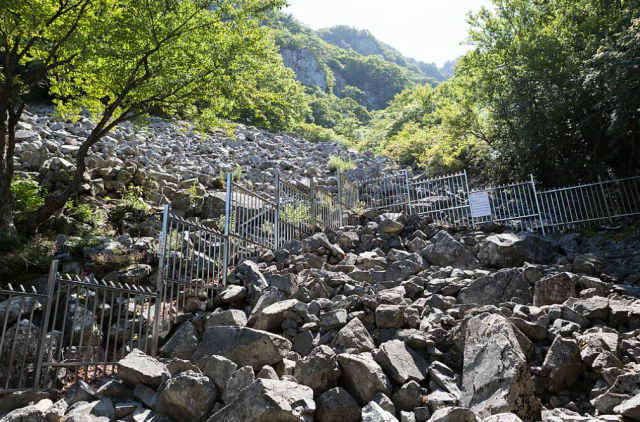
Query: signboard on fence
(480, 205)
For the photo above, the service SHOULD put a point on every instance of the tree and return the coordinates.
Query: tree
(167, 54)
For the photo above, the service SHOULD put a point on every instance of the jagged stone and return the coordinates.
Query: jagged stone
(138, 367)
(401, 362)
(269, 400)
(372, 412)
(182, 343)
(336, 405)
(496, 374)
(554, 289)
(562, 364)
(243, 346)
(354, 335)
(188, 396)
(496, 288)
(362, 377)
(444, 250)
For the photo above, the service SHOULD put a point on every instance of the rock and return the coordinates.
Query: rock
(244, 346)
(453, 414)
(496, 373)
(372, 412)
(401, 362)
(186, 397)
(444, 250)
(588, 264)
(513, 250)
(219, 369)
(389, 316)
(496, 288)
(15, 308)
(182, 343)
(269, 401)
(80, 391)
(445, 377)
(362, 377)
(274, 315)
(390, 226)
(333, 319)
(503, 417)
(354, 335)
(554, 289)
(629, 408)
(319, 370)
(336, 405)
(20, 399)
(238, 381)
(562, 364)
(137, 367)
(230, 317)
(233, 294)
(408, 396)
(32, 413)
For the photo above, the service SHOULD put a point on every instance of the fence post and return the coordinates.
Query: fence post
(535, 194)
(604, 199)
(227, 223)
(51, 285)
(162, 248)
(406, 178)
(340, 197)
(276, 229)
(314, 207)
(466, 185)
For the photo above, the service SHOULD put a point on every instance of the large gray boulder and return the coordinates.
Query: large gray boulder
(32, 413)
(319, 370)
(445, 251)
(268, 400)
(554, 289)
(496, 288)
(336, 405)
(187, 397)
(508, 250)
(274, 315)
(244, 346)
(15, 308)
(562, 365)
(401, 362)
(138, 367)
(453, 414)
(496, 375)
(362, 377)
(219, 369)
(354, 335)
(182, 343)
(374, 413)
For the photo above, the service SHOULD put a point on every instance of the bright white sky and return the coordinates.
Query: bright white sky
(426, 30)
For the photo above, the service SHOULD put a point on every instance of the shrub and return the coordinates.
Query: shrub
(28, 196)
(336, 163)
(28, 259)
(314, 133)
(132, 199)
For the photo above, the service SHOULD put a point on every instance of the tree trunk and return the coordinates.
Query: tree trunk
(7, 142)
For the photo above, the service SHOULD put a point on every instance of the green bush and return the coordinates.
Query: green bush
(29, 259)
(132, 199)
(28, 196)
(336, 163)
(314, 133)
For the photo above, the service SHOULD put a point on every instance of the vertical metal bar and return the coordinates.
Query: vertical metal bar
(604, 197)
(227, 220)
(159, 281)
(466, 184)
(535, 195)
(406, 176)
(53, 270)
(340, 197)
(276, 229)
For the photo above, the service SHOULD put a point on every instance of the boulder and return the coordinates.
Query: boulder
(562, 365)
(496, 375)
(274, 315)
(362, 377)
(496, 288)
(319, 370)
(372, 412)
(445, 251)
(554, 289)
(138, 367)
(244, 346)
(238, 381)
(219, 369)
(453, 414)
(508, 250)
(268, 400)
(354, 335)
(336, 405)
(187, 397)
(401, 362)
(182, 343)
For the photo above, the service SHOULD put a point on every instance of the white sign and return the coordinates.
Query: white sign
(162, 244)
(480, 206)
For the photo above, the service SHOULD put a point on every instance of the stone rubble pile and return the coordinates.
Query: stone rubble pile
(392, 320)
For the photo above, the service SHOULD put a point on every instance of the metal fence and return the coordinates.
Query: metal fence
(448, 200)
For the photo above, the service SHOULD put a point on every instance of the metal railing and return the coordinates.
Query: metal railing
(448, 200)
(21, 339)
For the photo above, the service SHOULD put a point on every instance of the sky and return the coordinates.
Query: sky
(426, 30)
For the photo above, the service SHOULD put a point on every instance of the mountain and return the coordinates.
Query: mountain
(348, 62)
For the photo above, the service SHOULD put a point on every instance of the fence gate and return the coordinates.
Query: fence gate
(91, 325)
